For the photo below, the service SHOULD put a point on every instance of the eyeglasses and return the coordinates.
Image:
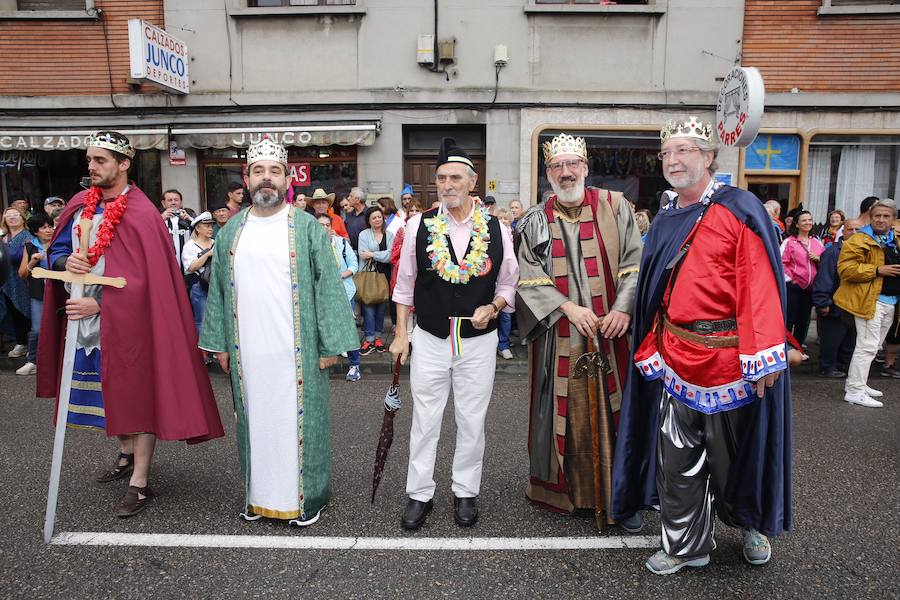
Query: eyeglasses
(557, 167)
(679, 152)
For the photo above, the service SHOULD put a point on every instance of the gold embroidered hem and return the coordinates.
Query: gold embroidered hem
(566, 218)
(627, 271)
(275, 514)
(88, 427)
(535, 281)
(90, 386)
(97, 411)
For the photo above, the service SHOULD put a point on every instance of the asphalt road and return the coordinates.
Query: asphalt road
(846, 502)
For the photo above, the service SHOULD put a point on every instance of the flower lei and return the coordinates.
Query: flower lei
(111, 217)
(474, 263)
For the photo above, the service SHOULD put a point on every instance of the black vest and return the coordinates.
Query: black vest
(437, 300)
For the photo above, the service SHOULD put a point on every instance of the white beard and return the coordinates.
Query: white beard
(267, 197)
(451, 201)
(571, 197)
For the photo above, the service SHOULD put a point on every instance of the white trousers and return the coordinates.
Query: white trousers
(432, 372)
(869, 337)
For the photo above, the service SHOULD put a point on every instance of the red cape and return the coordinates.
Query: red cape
(152, 372)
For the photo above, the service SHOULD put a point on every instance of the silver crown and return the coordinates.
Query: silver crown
(267, 149)
(692, 128)
(111, 140)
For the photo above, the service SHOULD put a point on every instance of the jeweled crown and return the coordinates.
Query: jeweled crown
(692, 128)
(564, 144)
(111, 140)
(267, 149)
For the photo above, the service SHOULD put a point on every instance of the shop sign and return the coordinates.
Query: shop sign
(285, 138)
(739, 109)
(42, 142)
(299, 174)
(158, 57)
(177, 156)
(726, 178)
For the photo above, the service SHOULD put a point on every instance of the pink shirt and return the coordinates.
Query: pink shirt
(460, 233)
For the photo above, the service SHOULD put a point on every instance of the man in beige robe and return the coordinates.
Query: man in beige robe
(578, 253)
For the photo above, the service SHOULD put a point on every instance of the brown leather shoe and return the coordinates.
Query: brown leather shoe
(118, 471)
(132, 503)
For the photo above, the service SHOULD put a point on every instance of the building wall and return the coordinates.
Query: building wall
(372, 57)
(794, 47)
(69, 57)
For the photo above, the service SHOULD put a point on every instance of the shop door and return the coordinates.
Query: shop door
(783, 189)
(419, 172)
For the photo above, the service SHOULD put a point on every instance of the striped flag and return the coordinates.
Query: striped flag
(455, 337)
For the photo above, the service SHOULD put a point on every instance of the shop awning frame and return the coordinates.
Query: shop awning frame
(200, 137)
(358, 134)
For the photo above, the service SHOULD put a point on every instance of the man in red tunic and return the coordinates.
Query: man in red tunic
(706, 416)
(138, 374)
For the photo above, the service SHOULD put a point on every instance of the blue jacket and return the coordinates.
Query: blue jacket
(827, 280)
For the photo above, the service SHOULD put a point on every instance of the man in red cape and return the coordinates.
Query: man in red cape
(149, 380)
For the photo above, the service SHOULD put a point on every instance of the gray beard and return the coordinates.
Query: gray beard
(570, 198)
(267, 198)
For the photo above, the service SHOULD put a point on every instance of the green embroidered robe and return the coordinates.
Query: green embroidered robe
(322, 322)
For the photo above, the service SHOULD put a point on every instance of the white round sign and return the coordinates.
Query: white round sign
(740, 107)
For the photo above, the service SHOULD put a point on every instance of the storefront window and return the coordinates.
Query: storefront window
(620, 161)
(331, 168)
(40, 173)
(843, 170)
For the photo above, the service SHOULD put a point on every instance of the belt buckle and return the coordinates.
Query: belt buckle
(703, 327)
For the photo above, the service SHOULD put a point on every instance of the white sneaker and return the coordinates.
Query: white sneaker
(307, 522)
(28, 368)
(18, 351)
(506, 353)
(873, 393)
(862, 399)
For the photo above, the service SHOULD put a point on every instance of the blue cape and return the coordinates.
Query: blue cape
(759, 487)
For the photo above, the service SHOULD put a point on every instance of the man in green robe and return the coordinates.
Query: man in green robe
(276, 317)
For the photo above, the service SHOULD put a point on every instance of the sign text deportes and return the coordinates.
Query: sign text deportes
(158, 57)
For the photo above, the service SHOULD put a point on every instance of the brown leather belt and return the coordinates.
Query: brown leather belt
(710, 341)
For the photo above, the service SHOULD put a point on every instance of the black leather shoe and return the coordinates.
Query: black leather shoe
(415, 513)
(835, 374)
(465, 513)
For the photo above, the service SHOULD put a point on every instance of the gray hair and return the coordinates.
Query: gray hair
(773, 207)
(885, 203)
(710, 147)
(358, 192)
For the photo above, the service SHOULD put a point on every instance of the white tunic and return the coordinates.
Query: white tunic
(262, 273)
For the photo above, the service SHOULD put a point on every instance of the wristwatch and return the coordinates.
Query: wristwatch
(496, 310)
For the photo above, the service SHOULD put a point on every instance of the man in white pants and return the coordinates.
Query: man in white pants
(869, 268)
(456, 261)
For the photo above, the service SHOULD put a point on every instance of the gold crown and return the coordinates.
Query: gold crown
(111, 140)
(564, 144)
(693, 128)
(266, 149)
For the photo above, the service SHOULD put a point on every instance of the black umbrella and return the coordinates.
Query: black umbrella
(386, 438)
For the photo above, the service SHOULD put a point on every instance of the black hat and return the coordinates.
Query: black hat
(450, 152)
(235, 185)
(489, 200)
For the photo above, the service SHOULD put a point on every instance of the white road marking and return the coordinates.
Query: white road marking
(300, 542)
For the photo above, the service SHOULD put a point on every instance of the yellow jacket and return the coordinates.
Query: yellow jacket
(858, 270)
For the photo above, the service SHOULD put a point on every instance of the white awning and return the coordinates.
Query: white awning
(299, 134)
(359, 134)
(74, 139)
